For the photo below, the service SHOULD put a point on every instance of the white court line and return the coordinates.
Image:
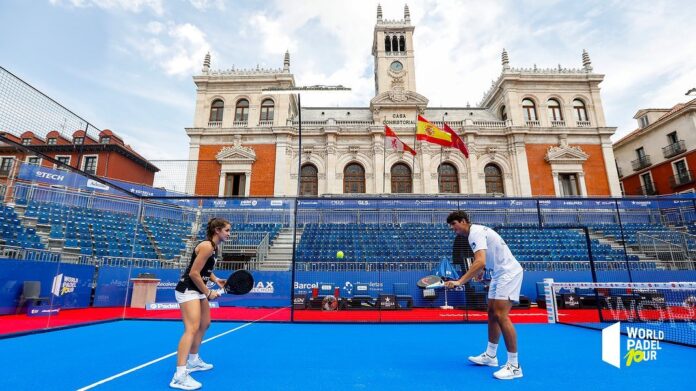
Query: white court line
(108, 379)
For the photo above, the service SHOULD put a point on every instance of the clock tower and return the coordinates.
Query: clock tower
(392, 49)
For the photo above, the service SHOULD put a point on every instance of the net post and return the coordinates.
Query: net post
(551, 313)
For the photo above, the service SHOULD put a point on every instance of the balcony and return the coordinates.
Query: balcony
(558, 124)
(641, 163)
(239, 124)
(674, 149)
(532, 124)
(265, 123)
(681, 179)
(583, 124)
(215, 124)
(648, 190)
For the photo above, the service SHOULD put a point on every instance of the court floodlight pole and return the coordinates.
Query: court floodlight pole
(298, 90)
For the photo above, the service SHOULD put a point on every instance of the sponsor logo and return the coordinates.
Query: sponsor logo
(141, 192)
(96, 185)
(263, 287)
(219, 203)
(63, 285)
(276, 203)
(348, 287)
(642, 345)
(166, 285)
(173, 306)
(302, 285)
(48, 175)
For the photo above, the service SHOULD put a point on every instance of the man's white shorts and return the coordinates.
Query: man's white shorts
(506, 287)
(188, 295)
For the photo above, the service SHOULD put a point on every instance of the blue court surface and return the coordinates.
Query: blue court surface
(291, 356)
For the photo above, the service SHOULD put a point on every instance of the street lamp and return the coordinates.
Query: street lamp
(691, 92)
(297, 90)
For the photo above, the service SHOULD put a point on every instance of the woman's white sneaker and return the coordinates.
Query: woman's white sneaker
(184, 382)
(198, 365)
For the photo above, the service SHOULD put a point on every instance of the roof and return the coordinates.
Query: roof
(670, 112)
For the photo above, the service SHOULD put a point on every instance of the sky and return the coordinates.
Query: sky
(127, 65)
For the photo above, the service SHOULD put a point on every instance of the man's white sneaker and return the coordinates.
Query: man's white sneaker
(198, 365)
(484, 359)
(184, 382)
(508, 371)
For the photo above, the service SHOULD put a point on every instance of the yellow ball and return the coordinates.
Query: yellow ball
(339, 254)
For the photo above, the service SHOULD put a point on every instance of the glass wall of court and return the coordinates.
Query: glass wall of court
(77, 250)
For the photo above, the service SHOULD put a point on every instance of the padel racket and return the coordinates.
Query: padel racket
(426, 281)
(240, 282)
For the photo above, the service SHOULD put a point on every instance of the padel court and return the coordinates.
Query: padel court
(138, 354)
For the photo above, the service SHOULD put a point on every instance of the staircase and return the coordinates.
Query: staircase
(617, 245)
(279, 257)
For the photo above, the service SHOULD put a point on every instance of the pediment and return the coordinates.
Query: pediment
(398, 98)
(566, 154)
(236, 153)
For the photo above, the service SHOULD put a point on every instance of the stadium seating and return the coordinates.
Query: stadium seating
(14, 234)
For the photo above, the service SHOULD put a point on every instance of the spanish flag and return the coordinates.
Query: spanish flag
(428, 132)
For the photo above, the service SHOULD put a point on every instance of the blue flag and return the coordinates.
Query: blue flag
(446, 271)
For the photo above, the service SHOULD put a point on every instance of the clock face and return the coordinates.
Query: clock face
(396, 66)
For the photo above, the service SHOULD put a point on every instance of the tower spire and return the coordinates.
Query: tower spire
(286, 62)
(407, 13)
(206, 63)
(379, 12)
(505, 60)
(586, 63)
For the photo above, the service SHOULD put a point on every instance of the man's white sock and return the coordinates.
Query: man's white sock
(491, 349)
(512, 359)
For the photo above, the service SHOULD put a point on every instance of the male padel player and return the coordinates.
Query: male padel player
(192, 294)
(490, 251)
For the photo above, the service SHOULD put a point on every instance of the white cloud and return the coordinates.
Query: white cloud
(202, 5)
(178, 49)
(135, 6)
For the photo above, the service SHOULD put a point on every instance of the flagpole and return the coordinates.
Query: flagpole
(439, 167)
(413, 161)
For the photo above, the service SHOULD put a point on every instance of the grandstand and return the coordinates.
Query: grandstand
(84, 228)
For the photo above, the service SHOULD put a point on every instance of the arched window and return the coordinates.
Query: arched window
(402, 44)
(554, 110)
(494, 179)
(449, 179)
(216, 109)
(267, 110)
(395, 44)
(241, 112)
(354, 178)
(308, 180)
(503, 113)
(401, 179)
(387, 44)
(529, 110)
(580, 110)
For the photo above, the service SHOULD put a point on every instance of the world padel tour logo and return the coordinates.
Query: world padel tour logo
(63, 285)
(642, 345)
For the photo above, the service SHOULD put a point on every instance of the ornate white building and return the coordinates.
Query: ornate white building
(537, 132)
